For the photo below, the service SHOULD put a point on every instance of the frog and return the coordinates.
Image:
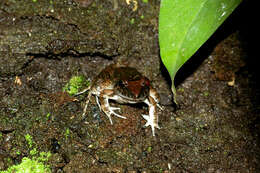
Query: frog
(124, 85)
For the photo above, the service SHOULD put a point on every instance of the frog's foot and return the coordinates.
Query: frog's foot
(150, 122)
(110, 110)
(105, 106)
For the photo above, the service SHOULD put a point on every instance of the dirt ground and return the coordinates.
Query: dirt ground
(214, 128)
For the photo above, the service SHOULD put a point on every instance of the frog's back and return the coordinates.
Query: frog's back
(113, 73)
(104, 80)
(109, 76)
(127, 73)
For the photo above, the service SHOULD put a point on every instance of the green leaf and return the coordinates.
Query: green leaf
(184, 25)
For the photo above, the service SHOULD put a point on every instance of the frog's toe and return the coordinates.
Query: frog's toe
(114, 108)
(159, 106)
(111, 109)
(112, 112)
(110, 119)
(120, 116)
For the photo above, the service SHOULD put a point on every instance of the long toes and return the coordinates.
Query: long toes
(120, 116)
(159, 106)
(116, 114)
(110, 119)
(114, 108)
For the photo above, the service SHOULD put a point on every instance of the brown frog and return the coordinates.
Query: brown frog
(124, 85)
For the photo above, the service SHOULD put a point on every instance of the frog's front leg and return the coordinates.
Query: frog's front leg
(152, 118)
(105, 95)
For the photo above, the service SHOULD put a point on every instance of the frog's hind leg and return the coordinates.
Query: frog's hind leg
(106, 108)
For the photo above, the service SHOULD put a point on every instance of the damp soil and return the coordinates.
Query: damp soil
(214, 128)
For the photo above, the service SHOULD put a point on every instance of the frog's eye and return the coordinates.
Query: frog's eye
(144, 82)
(125, 83)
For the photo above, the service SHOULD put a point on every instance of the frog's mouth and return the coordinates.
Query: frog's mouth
(126, 99)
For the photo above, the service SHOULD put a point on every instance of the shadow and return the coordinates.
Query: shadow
(244, 21)
(248, 36)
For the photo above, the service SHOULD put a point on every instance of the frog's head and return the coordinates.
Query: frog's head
(133, 90)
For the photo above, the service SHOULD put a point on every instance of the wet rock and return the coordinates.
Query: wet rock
(12, 64)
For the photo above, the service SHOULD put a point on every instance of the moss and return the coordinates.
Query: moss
(33, 152)
(149, 149)
(29, 166)
(206, 94)
(34, 165)
(75, 84)
(132, 21)
(67, 133)
(48, 116)
(28, 138)
(18, 152)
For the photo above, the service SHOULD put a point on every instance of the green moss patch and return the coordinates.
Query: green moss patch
(75, 84)
(34, 165)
